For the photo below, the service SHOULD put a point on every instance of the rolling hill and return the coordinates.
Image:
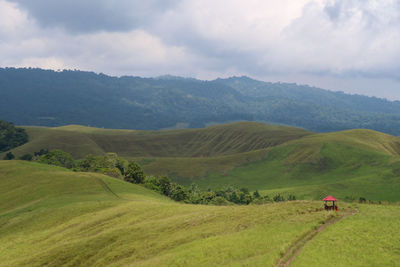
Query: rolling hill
(52, 216)
(273, 159)
(49, 98)
(56, 217)
(211, 141)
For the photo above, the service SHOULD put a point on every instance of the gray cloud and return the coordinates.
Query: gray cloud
(95, 15)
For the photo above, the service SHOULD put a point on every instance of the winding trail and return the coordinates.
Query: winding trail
(294, 250)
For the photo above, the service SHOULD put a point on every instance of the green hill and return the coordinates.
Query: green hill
(273, 159)
(211, 141)
(52, 216)
(349, 164)
(55, 217)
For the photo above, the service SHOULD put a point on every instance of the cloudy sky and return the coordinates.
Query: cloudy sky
(346, 45)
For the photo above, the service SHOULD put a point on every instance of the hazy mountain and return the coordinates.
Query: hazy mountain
(50, 98)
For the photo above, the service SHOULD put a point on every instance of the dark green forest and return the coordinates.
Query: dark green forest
(11, 136)
(52, 98)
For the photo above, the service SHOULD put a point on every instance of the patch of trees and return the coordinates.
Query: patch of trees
(11, 136)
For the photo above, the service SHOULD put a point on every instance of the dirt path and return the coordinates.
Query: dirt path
(294, 250)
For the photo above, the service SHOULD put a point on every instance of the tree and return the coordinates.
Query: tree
(41, 152)
(10, 136)
(59, 158)
(165, 185)
(9, 156)
(134, 173)
(179, 193)
(278, 198)
(27, 157)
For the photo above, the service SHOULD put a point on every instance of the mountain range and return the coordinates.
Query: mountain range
(30, 96)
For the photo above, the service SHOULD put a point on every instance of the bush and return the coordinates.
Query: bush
(362, 200)
(108, 164)
(9, 156)
(278, 198)
(152, 183)
(220, 201)
(134, 173)
(27, 157)
(59, 158)
(41, 152)
(179, 193)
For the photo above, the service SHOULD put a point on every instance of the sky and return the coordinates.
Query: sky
(342, 45)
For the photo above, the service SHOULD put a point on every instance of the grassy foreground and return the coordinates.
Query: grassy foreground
(55, 217)
(368, 238)
(50, 216)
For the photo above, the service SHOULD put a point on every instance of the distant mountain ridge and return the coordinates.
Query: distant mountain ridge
(49, 98)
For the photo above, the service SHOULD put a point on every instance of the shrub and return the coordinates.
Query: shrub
(278, 198)
(220, 201)
(179, 193)
(27, 157)
(57, 157)
(134, 173)
(9, 156)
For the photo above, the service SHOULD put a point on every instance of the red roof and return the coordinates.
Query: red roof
(329, 198)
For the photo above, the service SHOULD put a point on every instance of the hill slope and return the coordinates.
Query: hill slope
(274, 159)
(349, 164)
(48, 98)
(51, 216)
(211, 141)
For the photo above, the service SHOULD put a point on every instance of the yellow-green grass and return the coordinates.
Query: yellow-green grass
(348, 164)
(51, 216)
(369, 238)
(211, 141)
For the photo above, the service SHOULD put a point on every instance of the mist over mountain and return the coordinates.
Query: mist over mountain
(49, 98)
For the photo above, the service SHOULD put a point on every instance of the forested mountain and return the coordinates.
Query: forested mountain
(50, 98)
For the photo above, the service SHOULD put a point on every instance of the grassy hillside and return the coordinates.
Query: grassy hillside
(51, 216)
(369, 238)
(55, 217)
(348, 164)
(211, 141)
(273, 159)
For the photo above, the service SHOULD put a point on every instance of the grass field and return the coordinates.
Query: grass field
(51, 216)
(55, 217)
(217, 140)
(272, 159)
(348, 164)
(369, 238)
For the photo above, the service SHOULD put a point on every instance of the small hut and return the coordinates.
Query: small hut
(329, 199)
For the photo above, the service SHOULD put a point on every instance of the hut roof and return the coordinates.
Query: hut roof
(329, 198)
